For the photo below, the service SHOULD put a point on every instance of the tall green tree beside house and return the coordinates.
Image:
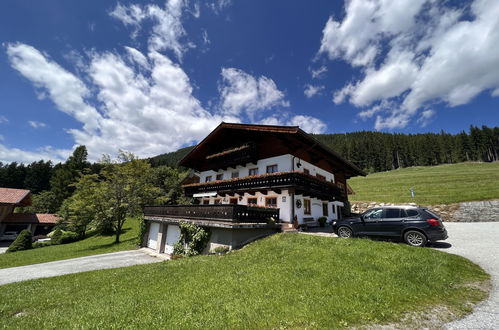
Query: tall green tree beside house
(107, 200)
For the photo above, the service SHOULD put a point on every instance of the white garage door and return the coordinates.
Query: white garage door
(153, 235)
(172, 236)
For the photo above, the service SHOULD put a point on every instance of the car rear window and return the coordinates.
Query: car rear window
(431, 214)
(412, 213)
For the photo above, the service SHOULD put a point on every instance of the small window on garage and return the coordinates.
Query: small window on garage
(208, 178)
(253, 171)
(233, 200)
(206, 201)
(235, 174)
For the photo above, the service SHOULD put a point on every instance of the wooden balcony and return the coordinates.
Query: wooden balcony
(225, 213)
(302, 183)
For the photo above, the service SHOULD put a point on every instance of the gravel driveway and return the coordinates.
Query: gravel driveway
(478, 242)
(76, 265)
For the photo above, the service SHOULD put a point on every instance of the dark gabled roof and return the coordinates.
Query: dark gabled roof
(192, 157)
(14, 196)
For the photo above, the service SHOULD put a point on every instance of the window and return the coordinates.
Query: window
(325, 209)
(412, 213)
(253, 171)
(334, 209)
(206, 201)
(321, 177)
(306, 171)
(235, 174)
(220, 176)
(233, 200)
(252, 201)
(271, 201)
(218, 201)
(392, 213)
(208, 178)
(306, 207)
(373, 214)
(272, 168)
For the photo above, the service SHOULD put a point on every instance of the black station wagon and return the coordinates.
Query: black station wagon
(415, 225)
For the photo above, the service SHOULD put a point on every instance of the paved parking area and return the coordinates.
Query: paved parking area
(478, 242)
(76, 265)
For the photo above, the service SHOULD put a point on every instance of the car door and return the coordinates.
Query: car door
(392, 222)
(371, 221)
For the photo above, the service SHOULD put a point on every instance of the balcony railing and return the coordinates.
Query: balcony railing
(301, 182)
(228, 213)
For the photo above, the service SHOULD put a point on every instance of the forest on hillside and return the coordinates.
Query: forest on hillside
(371, 151)
(376, 151)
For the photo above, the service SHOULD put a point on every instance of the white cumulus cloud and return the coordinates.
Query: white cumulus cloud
(413, 54)
(244, 93)
(36, 124)
(312, 90)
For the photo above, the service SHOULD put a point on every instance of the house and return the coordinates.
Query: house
(38, 224)
(249, 174)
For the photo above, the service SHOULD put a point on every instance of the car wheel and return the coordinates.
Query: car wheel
(415, 238)
(345, 232)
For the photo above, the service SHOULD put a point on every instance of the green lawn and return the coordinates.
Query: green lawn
(443, 184)
(284, 281)
(94, 244)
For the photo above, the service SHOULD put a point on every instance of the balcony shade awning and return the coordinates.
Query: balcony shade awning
(206, 194)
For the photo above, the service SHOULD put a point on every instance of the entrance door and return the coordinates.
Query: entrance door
(153, 235)
(172, 237)
(370, 225)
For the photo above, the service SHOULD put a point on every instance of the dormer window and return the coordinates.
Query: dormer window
(272, 168)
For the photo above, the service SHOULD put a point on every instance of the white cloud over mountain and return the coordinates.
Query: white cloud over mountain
(413, 53)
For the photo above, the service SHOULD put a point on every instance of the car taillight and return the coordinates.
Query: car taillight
(433, 222)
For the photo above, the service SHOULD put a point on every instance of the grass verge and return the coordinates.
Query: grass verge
(443, 184)
(93, 244)
(284, 281)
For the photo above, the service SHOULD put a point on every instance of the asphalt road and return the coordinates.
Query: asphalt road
(478, 242)
(76, 265)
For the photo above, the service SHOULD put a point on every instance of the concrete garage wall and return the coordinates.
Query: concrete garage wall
(235, 238)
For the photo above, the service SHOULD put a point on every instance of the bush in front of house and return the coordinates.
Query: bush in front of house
(22, 242)
(60, 236)
(322, 221)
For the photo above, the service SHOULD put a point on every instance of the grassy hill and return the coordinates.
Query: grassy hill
(443, 184)
(286, 281)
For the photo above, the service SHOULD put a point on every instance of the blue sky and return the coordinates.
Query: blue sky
(150, 77)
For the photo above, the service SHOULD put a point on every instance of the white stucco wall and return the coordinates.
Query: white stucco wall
(284, 164)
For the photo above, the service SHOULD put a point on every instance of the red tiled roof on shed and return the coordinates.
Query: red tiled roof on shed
(15, 196)
(16, 218)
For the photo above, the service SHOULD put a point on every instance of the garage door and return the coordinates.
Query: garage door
(153, 235)
(172, 237)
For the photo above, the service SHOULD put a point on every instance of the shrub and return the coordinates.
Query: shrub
(322, 221)
(193, 239)
(37, 245)
(22, 242)
(66, 237)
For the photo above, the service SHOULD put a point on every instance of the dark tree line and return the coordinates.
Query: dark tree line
(376, 151)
